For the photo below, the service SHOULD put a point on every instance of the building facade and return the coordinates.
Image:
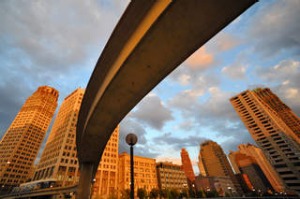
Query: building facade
(187, 166)
(59, 158)
(20, 144)
(201, 166)
(282, 111)
(262, 113)
(264, 164)
(170, 176)
(106, 178)
(216, 163)
(222, 185)
(144, 173)
(247, 165)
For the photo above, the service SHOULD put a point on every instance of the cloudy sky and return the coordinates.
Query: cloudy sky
(57, 43)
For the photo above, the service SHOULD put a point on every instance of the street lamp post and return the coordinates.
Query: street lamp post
(131, 139)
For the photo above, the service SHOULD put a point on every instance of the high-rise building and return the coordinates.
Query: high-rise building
(187, 165)
(201, 166)
(106, 178)
(264, 164)
(282, 110)
(59, 158)
(20, 144)
(216, 163)
(170, 176)
(232, 156)
(144, 173)
(214, 159)
(247, 165)
(222, 185)
(264, 115)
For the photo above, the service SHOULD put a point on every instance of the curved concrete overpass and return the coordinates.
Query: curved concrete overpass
(151, 39)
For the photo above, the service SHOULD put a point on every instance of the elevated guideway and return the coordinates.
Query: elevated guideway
(151, 39)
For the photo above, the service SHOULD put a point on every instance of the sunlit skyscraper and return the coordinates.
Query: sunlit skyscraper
(187, 166)
(106, 178)
(59, 158)
(216, 164)
(264, 164)
(201, 166)
(21, 142)
(275, 129)
(247, 165)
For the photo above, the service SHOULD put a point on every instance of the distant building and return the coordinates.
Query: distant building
(216, 163)
(232, 156)
(170, 176)
(106, 179)
(59, 158)
(222, 185)
(264, 164)
(201, 166)
(21, 142)
(275, 129)
(247, 165)
(144, 173)
(187, 166)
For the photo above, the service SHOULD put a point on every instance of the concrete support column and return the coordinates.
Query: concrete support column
(85, 181)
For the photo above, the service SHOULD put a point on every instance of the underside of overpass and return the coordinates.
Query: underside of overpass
(151, 39)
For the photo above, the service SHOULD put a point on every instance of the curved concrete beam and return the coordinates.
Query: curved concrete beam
(151, 39)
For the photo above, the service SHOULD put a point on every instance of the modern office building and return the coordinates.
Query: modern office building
(222, 185)
(216, 163)
(106, 178)
(201, 166)
(59, 158)
(264, 115)
(282, 110)
(170, 176)
(264, 164)
(20, 144)
(232, 156)
(247, 165)
(187, 166)
(144, 173)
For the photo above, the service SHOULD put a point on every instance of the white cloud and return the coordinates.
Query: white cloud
(291, 93)
(275, 28)
(153, 112)
(235, 72)
(200, 59)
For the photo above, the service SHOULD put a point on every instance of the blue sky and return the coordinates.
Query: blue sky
(57, 43)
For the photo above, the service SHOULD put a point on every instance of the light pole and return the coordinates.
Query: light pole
(131, 139)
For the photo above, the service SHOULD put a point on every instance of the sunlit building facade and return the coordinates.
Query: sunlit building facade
(20, 144)
(59, 158)
(106, 178)
(144, 173)
(274, 127)
(247, 165)
(170, 176)
(216, 163)
(201, 166)
(264, 164)
(187, 166)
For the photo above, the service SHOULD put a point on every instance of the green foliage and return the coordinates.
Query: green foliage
(212, 194)
(154, 193)
(141, 193)
(173, 193)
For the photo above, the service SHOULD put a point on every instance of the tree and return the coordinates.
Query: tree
(154, 193)
(141, 193)
(174, 193)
